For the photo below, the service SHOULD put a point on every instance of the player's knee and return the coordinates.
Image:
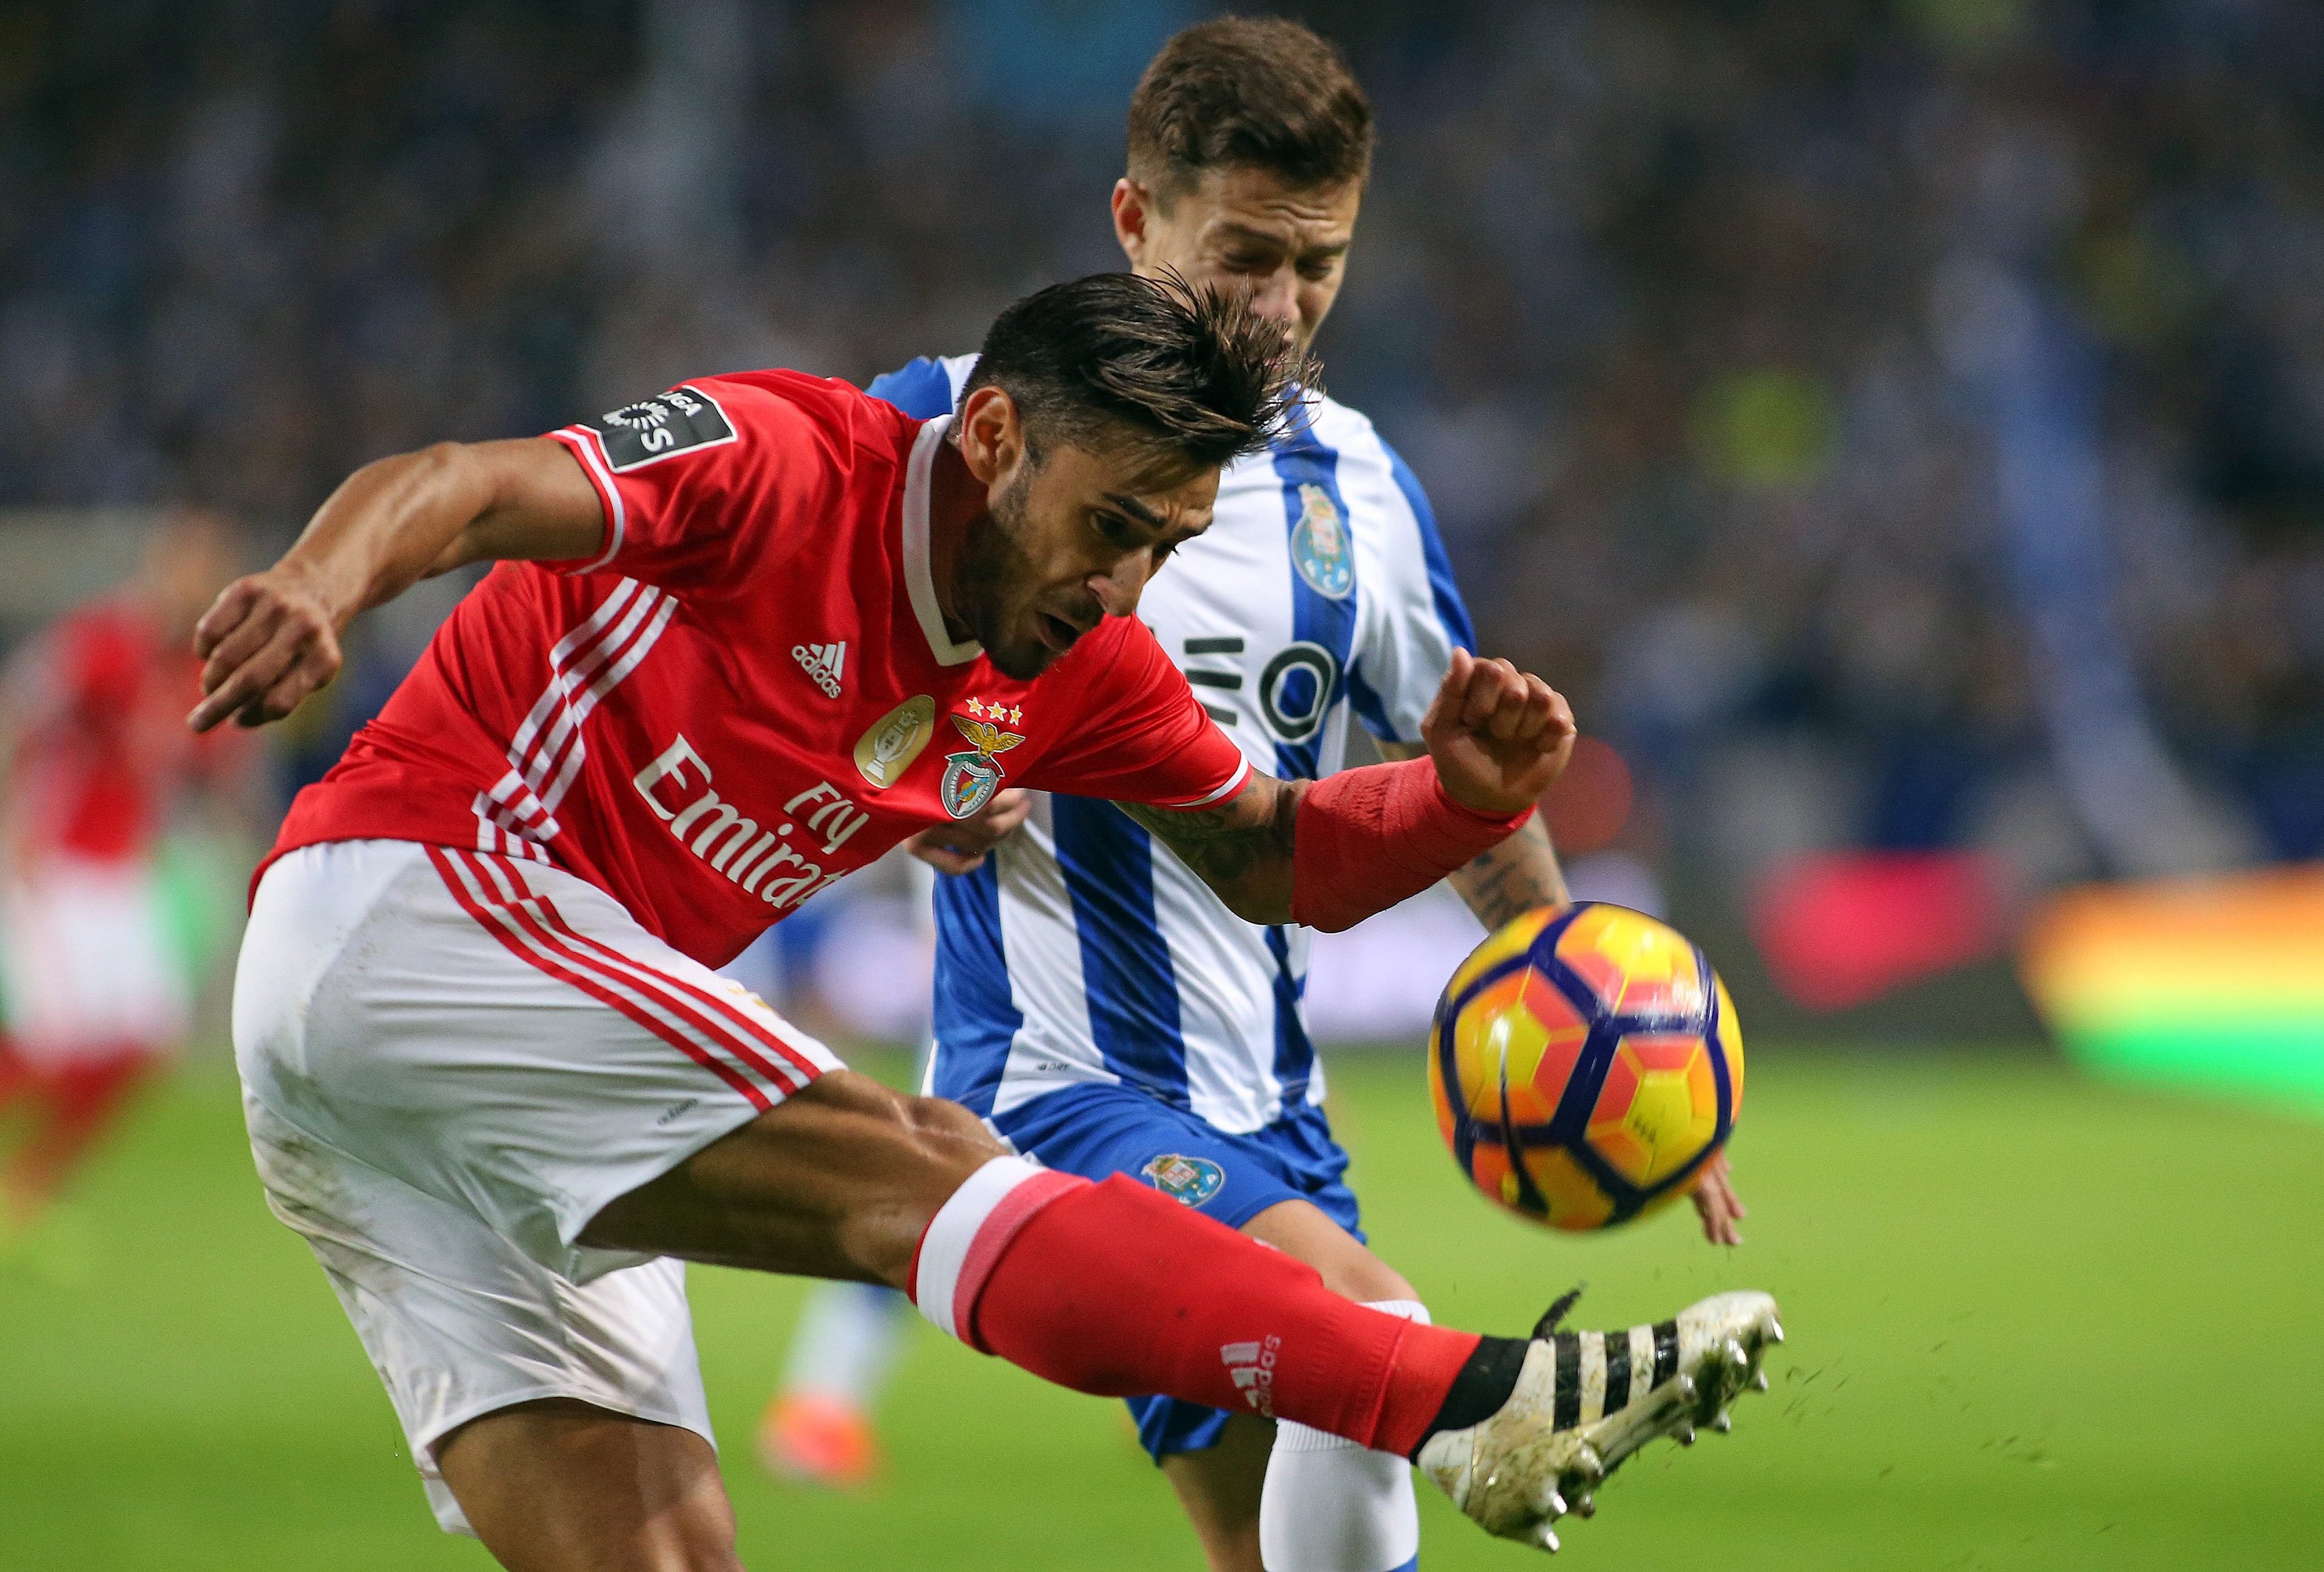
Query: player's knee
(942, 1120)
(936, 1135)
(926, 1148)
(704, 1540)
(562, 1483)
(697, 1535)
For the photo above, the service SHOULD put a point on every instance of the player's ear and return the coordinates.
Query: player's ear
(1133, 205)
(992, 436)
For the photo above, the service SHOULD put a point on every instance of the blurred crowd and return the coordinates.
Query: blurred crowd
(1715, 329)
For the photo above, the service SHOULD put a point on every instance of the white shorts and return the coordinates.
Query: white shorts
(451, 1061)
(87, 962)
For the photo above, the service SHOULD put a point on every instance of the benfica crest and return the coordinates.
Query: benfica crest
(972, 776)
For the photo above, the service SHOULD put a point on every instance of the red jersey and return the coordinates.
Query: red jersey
(102, 748)
(750, 692)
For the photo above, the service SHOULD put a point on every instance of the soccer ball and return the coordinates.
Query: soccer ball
(1584, 1063)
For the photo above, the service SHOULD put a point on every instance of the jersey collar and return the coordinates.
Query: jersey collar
(919, 578)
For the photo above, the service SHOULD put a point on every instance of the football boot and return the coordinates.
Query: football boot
(1586, 1400)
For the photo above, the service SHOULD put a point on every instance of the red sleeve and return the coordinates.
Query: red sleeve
(702, 480)
(1138, 734)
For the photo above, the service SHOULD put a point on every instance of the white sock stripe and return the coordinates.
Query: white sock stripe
(1290, 1435)
(944, 1248)
(1410, 1310)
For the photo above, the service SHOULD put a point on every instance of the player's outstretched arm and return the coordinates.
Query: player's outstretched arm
(1330, 853)
(272, 638)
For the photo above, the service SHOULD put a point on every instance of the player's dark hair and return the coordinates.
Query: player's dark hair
(1258, 93)
(1192, 373)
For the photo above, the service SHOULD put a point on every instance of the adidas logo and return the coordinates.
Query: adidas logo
(822, 662)
(1251, 1367)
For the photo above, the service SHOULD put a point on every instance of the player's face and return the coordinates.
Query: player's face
(1242, 228)
(1065, 541)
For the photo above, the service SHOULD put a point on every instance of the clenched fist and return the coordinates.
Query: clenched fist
(1499, 736)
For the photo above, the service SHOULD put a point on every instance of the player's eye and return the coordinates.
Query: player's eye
(1114, 529)
(1317, 270)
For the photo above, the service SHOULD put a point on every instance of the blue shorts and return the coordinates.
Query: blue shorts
(1100, 1128)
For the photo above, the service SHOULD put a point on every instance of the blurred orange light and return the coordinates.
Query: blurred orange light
(1591, 801)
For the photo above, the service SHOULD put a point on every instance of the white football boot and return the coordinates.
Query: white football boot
(1586, 1400)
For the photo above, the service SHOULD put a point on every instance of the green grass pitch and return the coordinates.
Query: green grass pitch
(2036, 1322)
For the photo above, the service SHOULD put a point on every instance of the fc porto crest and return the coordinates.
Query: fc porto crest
(971, 775)
(1190, 1180)
(1320, 547)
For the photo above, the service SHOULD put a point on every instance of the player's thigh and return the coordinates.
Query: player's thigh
(559, 1486)
(459, 1322)
(1302, 1230)
(838, 1180)
(1219, 1487)
(497, 1033)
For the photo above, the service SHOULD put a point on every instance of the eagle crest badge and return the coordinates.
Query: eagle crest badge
(971, 775)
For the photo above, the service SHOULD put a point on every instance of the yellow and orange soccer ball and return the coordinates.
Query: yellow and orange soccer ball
(1586, 1063)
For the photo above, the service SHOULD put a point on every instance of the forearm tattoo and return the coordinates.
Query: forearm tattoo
(1246, 839)
(1514, 878)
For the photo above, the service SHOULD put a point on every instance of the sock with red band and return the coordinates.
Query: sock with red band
(1117, 1290)
(1366, 839)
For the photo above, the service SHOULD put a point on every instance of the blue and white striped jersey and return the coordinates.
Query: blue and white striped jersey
(1081, 950)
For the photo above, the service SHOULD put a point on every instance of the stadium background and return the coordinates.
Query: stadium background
(1899, 428)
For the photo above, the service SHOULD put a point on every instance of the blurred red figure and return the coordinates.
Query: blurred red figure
(96, 761)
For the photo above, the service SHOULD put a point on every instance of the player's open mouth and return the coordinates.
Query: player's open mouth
(1055, 633)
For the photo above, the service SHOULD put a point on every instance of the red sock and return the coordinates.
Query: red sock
(1114, 1290)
